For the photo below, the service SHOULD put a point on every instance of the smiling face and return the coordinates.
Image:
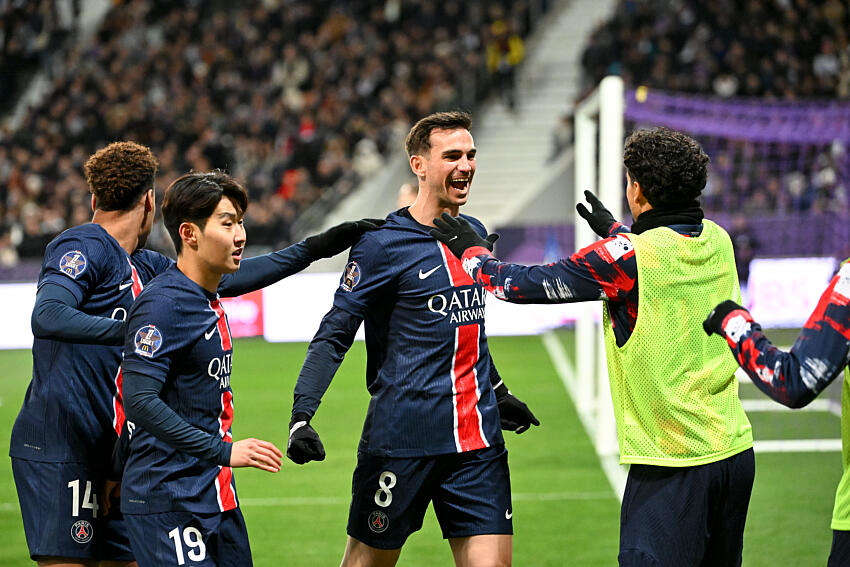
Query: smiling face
(222, 240)
(447, 169)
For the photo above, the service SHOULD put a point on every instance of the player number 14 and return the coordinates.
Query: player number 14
(89, 498)
(193, 539)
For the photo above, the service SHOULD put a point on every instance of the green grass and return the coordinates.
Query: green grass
(564, 510)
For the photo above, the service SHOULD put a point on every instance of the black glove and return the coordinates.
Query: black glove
(599, 218)
(304, 443)
(713, 322)
(513, 413)
(340, 237)
(458, 234)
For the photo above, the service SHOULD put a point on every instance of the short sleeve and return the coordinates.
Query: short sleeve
(367, 275)
(77, 264)
(154, 336)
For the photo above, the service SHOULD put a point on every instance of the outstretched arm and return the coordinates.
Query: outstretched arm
(818, 356)
(261, 271)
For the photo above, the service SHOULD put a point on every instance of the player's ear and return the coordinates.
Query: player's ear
(150, 201)
(640, 198)
(417, 165)
(189, 234)
(93, 203)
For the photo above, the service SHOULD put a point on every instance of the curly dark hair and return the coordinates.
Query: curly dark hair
(119, 174)
(418, 140)
(672, 168)
(194, 196)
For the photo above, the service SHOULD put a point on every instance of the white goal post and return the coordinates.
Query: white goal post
(599, 136)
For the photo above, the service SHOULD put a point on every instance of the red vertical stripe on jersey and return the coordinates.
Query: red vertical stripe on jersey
(468, 432)
(118, 416)
(118, 403)
(224, 481)
(457, 276)
(223, 329)
(137, 282)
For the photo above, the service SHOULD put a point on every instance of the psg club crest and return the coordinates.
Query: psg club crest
(350, 277)
(148, 340)
(378, 522)
(72, 264)
(82, 531)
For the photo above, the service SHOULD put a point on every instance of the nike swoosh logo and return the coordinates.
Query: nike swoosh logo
(125, 285)
(423, 275)
(508, 514)
(209, 333)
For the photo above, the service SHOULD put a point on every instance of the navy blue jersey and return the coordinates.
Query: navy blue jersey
(177, 333)
(73, 407)
(428, 368)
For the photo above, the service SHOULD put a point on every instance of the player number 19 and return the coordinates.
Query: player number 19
(89, 499)
(193, 539)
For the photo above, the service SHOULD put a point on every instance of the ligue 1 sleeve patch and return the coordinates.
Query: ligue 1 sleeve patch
(148, 339)
(350, 276)
(72, 263)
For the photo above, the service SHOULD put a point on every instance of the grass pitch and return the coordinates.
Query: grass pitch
(565, 513)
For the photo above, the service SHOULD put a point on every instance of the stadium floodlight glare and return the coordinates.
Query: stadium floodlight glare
(599, 135)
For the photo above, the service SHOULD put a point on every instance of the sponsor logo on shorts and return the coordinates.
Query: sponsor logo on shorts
(82, 531)
(72, 264)
(378, 522)
(350, 277)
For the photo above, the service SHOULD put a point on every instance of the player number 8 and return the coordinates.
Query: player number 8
(383, 497)
(193, 539)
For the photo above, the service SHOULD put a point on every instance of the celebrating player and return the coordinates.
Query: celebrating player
(795, 378)
(178, 494)
(63, 437)
(679, 420)
(432, 432)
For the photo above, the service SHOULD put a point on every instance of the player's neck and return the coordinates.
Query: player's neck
(424, 211)
(123, 226)
(199, 272)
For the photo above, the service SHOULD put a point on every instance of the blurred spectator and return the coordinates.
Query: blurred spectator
(745, 245)
(505, 52)
(562, 136)
(407, 194)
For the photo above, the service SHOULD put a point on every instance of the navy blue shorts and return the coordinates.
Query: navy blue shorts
(60, 508)
(839, 555)
(219, 539)
(686, 516)
(471, 493)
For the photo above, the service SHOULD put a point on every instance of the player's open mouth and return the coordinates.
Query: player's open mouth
(460, 183)
(237, 254)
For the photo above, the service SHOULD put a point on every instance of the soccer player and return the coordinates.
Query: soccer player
(432, 432)
(795, 378)
(680, 423)
(63, 437)
(178, 492)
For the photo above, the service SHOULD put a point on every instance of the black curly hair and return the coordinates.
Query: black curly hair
(672, 168)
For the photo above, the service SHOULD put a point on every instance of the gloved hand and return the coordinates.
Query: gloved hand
(599, 218)
(458, 234)
(513, 413)
(340, 237)
(304, 443)
(713, 323)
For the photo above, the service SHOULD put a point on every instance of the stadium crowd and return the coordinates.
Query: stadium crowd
(783, 50)
(301, 100)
